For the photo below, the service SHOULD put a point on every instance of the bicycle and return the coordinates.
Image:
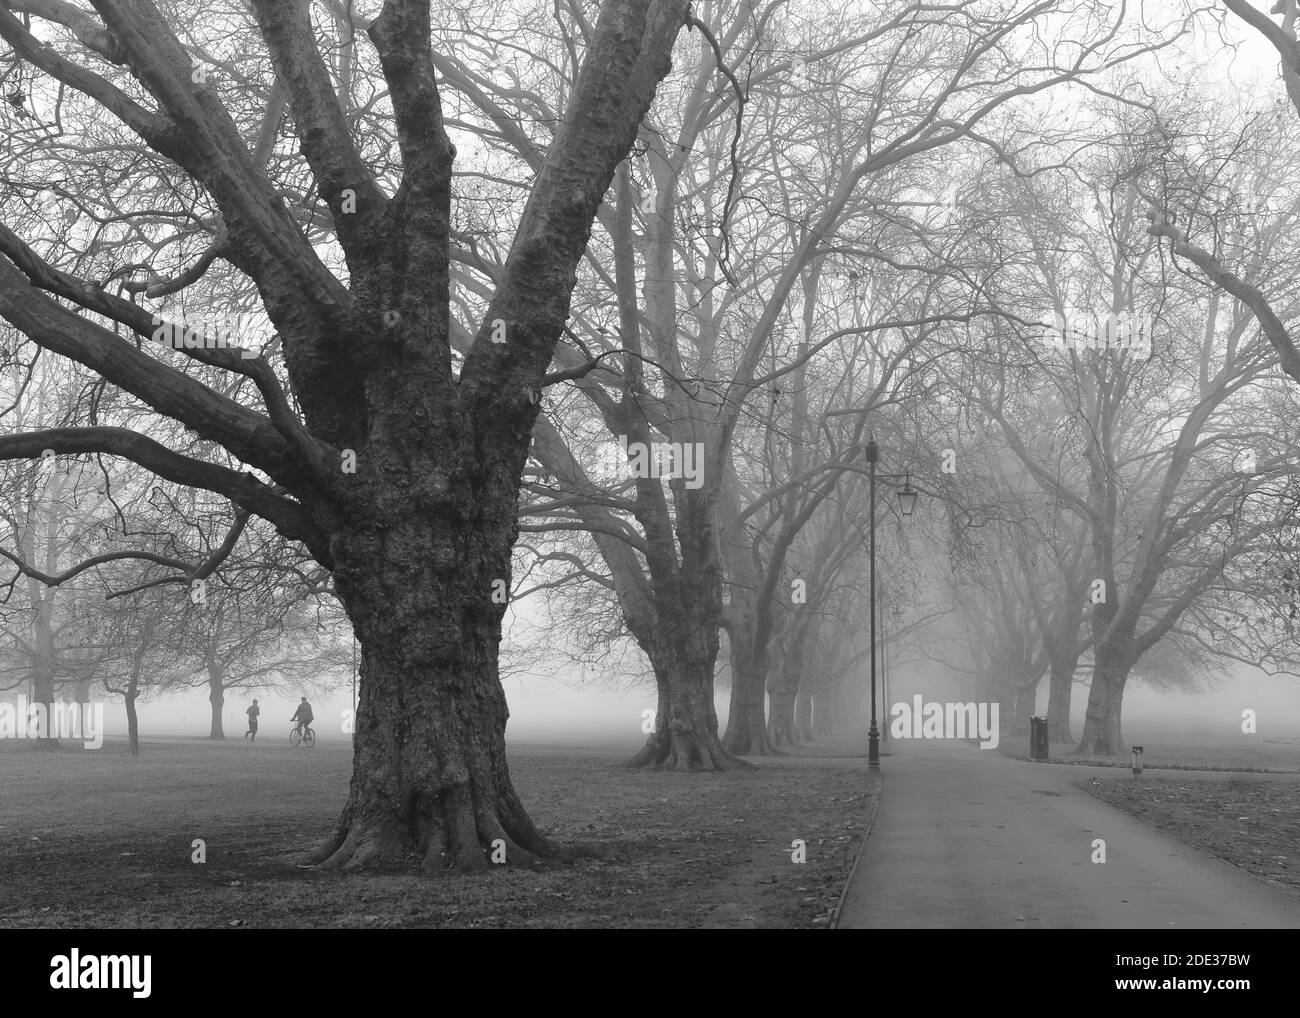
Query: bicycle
(305, 737)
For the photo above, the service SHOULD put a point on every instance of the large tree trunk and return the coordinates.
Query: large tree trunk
(129, 697)
(217, 700)
(757, 706)
(781, 721)
(783, 687)
(1101, 725)
(42, 685)
(683, 637)
(42, 674)
(1060, 687)
(816, 690)
(132, 724)
(430, 783)
(803, 715)
(823, 722)
(1026, 699)
(686, 722)
(746, 717)
(43, 600)
(1008, 696)
(738, 738)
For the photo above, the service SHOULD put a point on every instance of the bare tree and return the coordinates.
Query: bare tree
(399, 474)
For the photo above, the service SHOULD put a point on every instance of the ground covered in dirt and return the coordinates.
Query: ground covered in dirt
(1254, 825)
(99, 839)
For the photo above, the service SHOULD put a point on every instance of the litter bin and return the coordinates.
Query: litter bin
(1037, 738)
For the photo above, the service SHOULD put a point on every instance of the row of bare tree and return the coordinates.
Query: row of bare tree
(480, 248)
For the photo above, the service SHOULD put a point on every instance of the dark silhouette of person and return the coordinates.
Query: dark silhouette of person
(303, 715)
(252, 712)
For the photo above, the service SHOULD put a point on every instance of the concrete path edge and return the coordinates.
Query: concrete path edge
(872, 809)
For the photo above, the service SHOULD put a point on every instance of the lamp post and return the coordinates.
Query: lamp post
(907, 503)
(884, 675)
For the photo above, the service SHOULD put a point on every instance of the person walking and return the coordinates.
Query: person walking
(252, 712)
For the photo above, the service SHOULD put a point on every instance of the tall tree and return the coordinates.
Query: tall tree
(397, 472)
(692, 326)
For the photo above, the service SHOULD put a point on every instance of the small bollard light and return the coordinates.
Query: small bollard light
(1137, 761)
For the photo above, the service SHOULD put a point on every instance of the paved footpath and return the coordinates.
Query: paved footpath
(967, 838)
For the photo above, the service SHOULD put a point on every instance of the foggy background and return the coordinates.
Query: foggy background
(554, 709)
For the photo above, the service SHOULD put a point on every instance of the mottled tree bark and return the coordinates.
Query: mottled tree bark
(420, 527)
(1060, 690)
(1101, 724)
(685, 735)
(739, 738)
(431, 786)
(781, 717)
(747, 716)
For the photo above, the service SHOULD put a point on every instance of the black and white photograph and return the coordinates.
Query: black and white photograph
(569, 465)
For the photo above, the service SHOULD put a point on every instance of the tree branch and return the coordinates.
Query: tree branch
(288, 517)
(621, 71)
(1274, 330)
(322, 128)
(246, 434)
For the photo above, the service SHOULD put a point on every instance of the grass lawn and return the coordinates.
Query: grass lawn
(99, 839)
(1253, 824)
(1179, 751)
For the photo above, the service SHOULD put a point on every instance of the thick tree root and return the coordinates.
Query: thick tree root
(779, 738)
(443, 836)
(690, 751)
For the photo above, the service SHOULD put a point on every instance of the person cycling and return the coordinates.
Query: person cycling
(303, 716)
